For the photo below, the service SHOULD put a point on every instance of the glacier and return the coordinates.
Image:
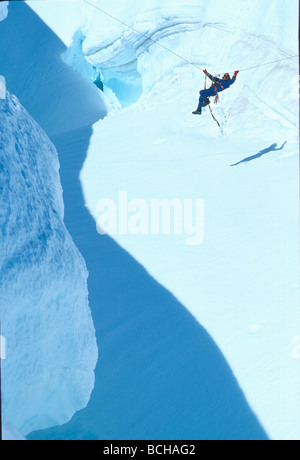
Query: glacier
(214, 359)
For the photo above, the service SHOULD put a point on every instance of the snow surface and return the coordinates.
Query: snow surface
(169, 363)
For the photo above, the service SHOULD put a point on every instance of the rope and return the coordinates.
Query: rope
(173, 52)
(266, 63)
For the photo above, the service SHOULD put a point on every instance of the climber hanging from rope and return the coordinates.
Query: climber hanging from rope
(218, 85)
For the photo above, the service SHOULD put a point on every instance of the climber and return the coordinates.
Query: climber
(218, 85)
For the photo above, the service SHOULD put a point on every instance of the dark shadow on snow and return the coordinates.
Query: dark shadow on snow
(272, 148)
(159, 375)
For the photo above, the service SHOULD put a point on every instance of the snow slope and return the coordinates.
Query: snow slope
(48, 373)
(3, 10)
(242, 283)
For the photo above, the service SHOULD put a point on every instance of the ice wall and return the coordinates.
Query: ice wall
(242, 283)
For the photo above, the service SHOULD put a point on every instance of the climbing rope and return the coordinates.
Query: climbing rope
(173, 52)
